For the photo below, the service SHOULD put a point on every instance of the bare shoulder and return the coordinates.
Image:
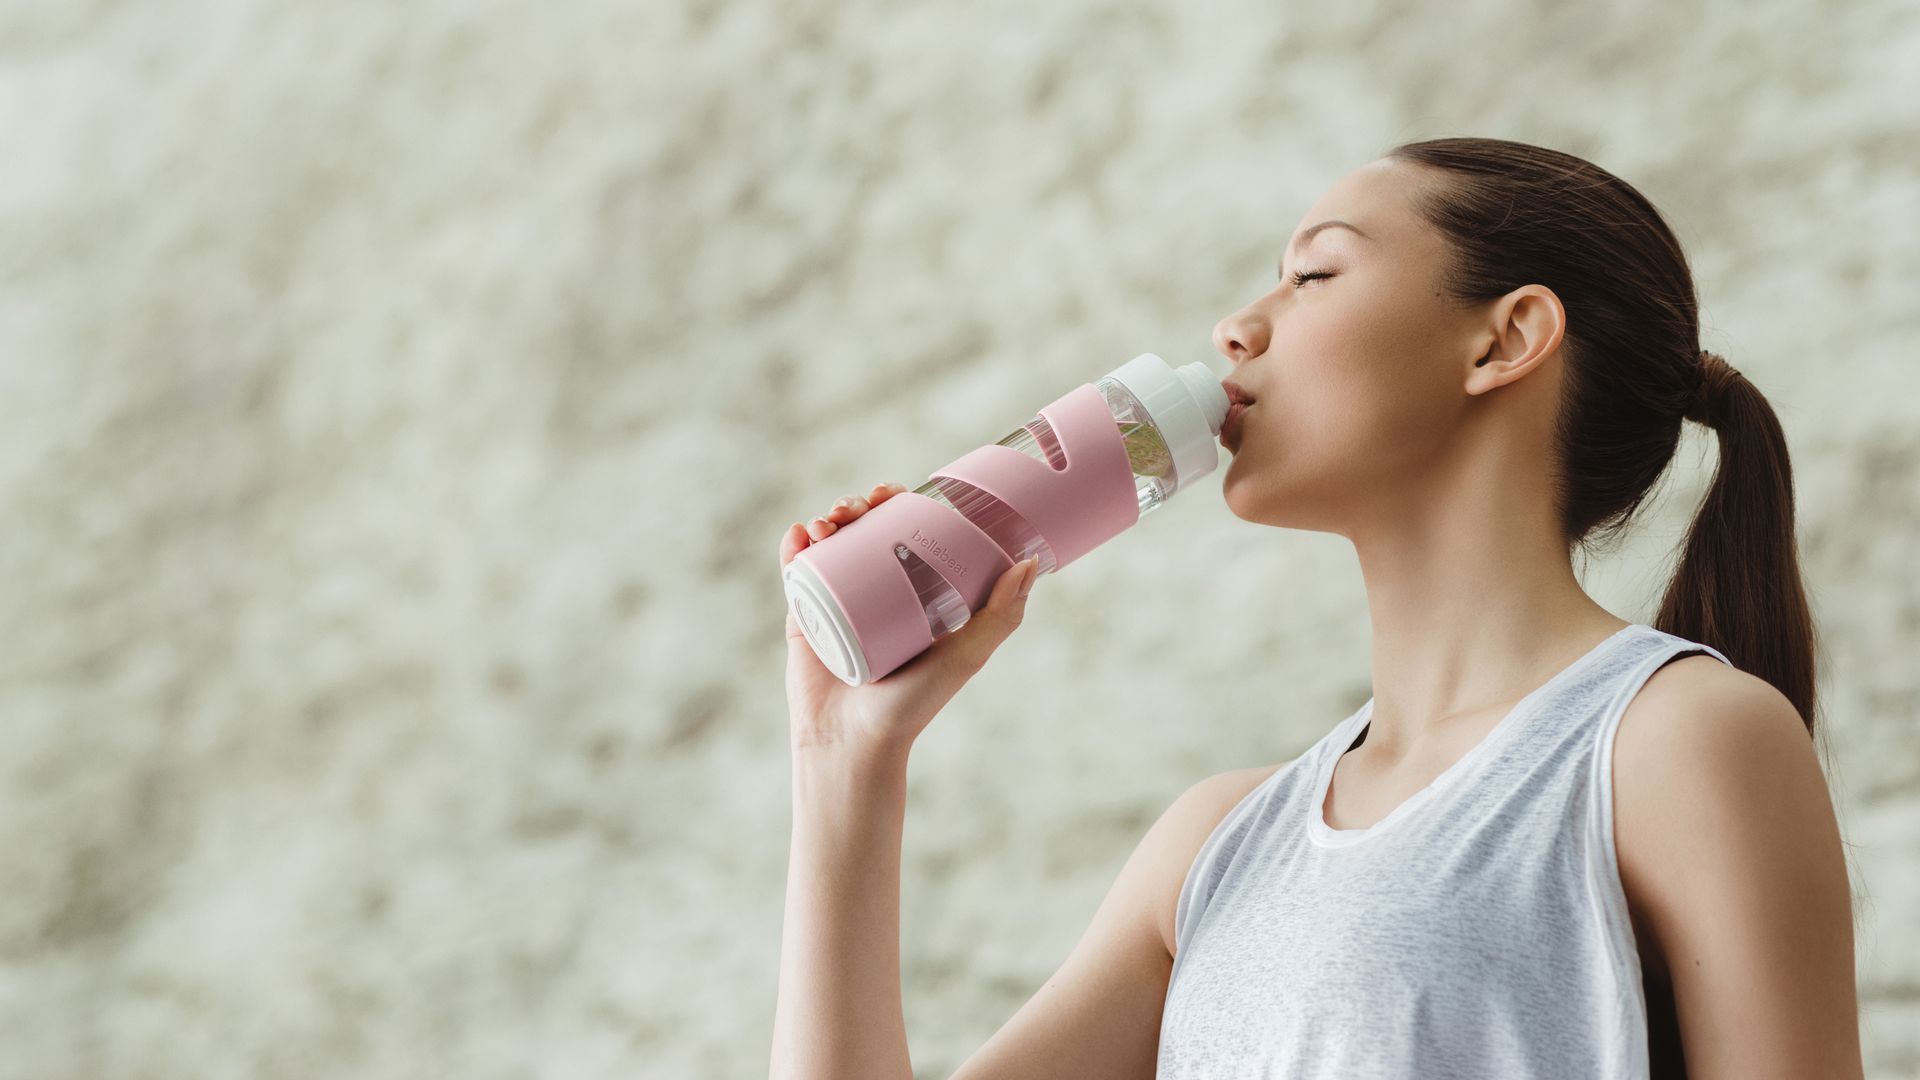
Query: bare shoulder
(1185, 826)
(1698, 740)
(1688, 736)
(1697, 714)
(1700, 675)
(1732, 862)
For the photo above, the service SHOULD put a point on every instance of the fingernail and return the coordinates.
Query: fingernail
(1033, 571)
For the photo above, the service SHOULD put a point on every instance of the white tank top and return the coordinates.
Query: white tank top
(1478, 930)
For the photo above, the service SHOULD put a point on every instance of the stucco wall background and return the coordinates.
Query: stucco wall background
(404, 401)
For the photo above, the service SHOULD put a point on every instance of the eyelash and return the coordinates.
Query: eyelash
(1301, 277)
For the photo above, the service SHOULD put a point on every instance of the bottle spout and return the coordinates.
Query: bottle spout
(1187, 406)
(1207, 392)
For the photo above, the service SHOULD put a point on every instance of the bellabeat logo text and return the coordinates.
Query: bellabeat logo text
(936, 551)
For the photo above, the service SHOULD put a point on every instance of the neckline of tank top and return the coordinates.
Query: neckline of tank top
(1342, 740)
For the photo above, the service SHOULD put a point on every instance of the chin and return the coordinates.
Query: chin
(1262, 498)
(1242, 493)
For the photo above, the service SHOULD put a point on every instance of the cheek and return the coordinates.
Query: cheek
(1357, 395)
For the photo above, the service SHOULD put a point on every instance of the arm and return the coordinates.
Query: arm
(839, 1009)
(1729, 848)
(1099, 1015)
(838, 1014)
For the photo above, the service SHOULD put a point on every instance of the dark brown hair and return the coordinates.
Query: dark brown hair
(1516, 214)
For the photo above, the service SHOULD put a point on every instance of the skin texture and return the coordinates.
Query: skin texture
(1419, 430)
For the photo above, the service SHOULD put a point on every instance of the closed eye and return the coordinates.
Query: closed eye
(1301, 277)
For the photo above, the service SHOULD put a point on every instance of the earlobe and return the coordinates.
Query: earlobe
(1477, 384)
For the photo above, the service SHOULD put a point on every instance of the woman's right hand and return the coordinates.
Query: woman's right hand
(889, 714)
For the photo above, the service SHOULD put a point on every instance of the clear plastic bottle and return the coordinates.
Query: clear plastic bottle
(862, 624)
(1155, 479)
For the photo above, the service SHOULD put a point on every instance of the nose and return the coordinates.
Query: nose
(1241, 336)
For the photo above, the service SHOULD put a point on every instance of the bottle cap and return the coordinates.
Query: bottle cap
(1187, 404)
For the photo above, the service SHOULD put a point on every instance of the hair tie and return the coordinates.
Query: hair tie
(1710, 391)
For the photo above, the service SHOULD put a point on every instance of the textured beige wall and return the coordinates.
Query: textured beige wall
(404, 400)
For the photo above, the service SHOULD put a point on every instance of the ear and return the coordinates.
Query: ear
(1524, 327)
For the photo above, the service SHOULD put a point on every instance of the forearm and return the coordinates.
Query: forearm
(838, 1014)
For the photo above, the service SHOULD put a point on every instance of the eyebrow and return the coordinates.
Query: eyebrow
(1310, 232)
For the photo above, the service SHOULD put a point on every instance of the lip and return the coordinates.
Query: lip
(1236, 394)
(1230, 427)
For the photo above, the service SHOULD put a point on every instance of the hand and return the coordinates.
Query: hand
(889, 714)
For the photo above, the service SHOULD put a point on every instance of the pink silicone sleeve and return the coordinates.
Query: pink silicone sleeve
(858, 566)
(1075, 508)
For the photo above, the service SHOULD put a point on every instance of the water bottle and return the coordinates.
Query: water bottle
(885, 586)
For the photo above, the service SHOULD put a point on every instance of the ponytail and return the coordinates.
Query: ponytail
(1737, 586)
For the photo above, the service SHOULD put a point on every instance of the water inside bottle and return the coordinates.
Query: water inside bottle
(1147, 453)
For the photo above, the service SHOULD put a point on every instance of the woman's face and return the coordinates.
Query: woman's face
(1359, 371)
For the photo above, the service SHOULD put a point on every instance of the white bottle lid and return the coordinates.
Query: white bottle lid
(1187, 404)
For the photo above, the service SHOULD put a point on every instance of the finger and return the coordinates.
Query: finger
(792, 541)
(1004, 606)
(820, 528)
(847, 509)
(1009, 596)
(882, 492)
(996, 620)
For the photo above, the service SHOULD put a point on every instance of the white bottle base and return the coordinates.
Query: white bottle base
(824, 624)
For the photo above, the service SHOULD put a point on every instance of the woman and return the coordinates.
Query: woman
(1554, 843)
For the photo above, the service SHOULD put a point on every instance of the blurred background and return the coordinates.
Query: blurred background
(404, 403)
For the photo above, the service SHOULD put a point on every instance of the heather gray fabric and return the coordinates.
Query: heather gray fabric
(1479, 930)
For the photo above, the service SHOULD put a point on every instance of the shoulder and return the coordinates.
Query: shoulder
(1208, 800)
(1697, 718)
(1735, 873)
(1183, 828)
(1703, 737)
(1713, 773)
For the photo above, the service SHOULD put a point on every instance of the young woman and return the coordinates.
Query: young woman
(1554, 843)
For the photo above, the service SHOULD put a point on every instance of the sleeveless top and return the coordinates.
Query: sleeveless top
(1478, 930)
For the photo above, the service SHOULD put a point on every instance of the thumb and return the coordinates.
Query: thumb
(1006, 606)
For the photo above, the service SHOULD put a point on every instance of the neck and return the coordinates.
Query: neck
(1473, 601)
